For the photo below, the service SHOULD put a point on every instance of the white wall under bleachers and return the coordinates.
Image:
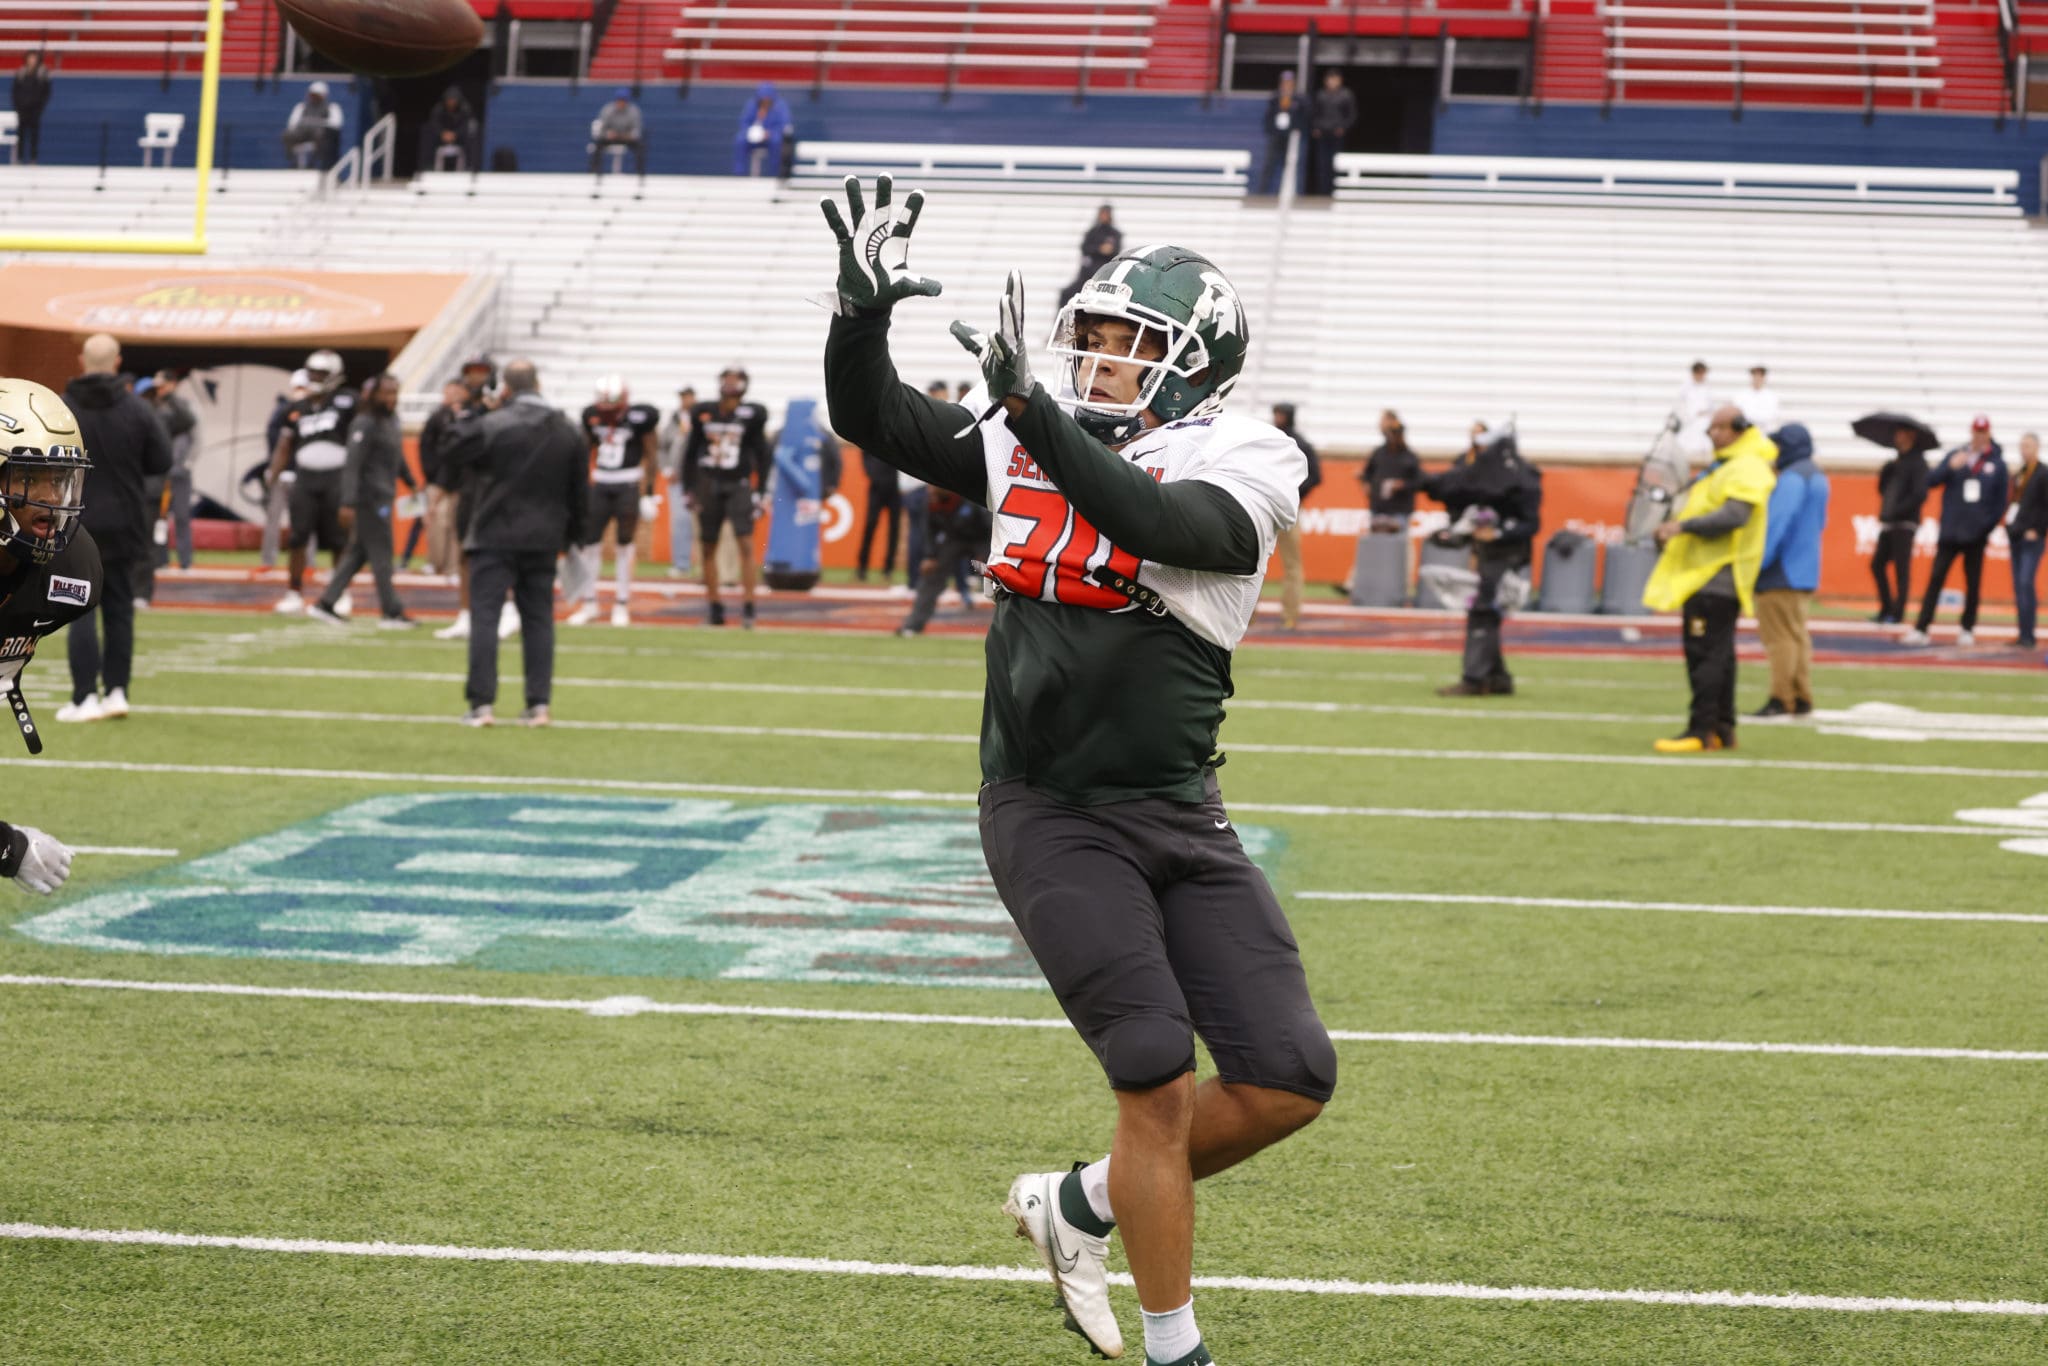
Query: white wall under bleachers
(1579, 320)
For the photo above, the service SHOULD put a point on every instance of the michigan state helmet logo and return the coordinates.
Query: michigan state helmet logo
(1173, 296)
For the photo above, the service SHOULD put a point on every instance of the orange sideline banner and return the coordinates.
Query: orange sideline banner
(157, 304)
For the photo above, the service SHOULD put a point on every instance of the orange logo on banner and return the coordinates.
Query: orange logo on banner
(231, 305)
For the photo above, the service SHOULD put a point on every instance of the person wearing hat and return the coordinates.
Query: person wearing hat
(618, 124)
(312, 135)
(1973, 484)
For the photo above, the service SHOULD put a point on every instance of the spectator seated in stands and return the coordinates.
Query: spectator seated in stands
(766, 131)
(618, 124)
(312, 135)
(448, 137)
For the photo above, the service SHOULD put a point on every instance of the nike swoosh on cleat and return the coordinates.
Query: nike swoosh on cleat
(1061, 1258)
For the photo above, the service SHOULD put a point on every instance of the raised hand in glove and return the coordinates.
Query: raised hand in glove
(1004, 362)
(41, 863)
(873, 255)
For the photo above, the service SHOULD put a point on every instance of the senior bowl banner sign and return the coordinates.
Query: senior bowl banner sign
(247, 307)
(598, 886)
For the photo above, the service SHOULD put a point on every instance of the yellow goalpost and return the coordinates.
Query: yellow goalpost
(195, 244)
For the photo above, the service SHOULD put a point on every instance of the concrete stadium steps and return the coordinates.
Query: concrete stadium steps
(1571, 54)
(1183, 52)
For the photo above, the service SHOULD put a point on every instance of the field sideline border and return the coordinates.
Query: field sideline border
(616, 1007)
(701, 1261)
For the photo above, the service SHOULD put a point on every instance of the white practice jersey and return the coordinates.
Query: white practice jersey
(1039, 547)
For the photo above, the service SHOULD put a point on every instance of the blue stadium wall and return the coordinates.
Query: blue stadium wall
(546, 125)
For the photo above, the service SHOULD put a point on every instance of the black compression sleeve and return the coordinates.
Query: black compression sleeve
(1187, 524)
(886, 418)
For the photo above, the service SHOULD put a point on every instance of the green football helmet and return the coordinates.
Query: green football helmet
(1180, 297)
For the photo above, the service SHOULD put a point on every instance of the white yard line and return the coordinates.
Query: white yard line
(821, 1266)
(123, 851)
(416, 779)
(619, 1006)
(893, 737)
(1583, 904)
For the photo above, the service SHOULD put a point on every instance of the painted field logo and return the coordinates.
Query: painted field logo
(592, 885)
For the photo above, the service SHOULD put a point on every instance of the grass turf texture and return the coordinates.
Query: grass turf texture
(1498, 1166)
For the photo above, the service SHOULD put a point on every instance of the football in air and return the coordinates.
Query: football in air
(387, 37)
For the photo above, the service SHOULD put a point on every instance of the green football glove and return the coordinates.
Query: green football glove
(1005, 363)
(873, 274)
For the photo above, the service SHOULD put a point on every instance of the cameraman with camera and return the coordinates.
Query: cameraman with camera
(1495, 500)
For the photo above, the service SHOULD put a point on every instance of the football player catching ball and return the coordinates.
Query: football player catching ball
(1133, 520)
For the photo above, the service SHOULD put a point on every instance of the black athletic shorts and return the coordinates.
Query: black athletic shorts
(724, 500)
(613, 503)
(1152, 925)
(315, 507)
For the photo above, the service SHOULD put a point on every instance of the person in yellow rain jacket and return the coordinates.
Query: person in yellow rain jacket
(1713, 550)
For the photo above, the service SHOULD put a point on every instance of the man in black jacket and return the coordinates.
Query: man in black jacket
(1495, 499)
(1330, 121)
(31, 95)
(525, 477)
(451, 126)
(1973, 483)
(369, 489)
(1099, 246)
(126, 444)
(1901, 493)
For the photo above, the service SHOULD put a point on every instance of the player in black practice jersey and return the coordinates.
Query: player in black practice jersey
(622, 438)
(314, 444)
(725, 469)
(49, 566)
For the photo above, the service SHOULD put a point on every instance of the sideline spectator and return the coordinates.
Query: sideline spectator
(276, 493)
(126, 444)
(1973, 484)
(312, 135)
(1330, 121)
(1695, 407)
(525, 475)
(1794, 520)
(1390, 476)
(440, 518)
(675, 436)
(957, 532)
(1099, 246)
(2025, 534)
(450, 125)
(31, 96)
(181, 426)
(1901, 494)
(1288, 543)
(1759, 405)
(1708, 568)
(369, 488)
(480, 382)
(618, 124)
(1283, 117)
(1496, 497)
(765, 131)
(885, 498)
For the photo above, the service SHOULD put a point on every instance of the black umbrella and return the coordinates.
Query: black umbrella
(1882, 428)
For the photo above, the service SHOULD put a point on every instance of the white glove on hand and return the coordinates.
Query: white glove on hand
(650, 507)
(1004, 363)
(46, 864)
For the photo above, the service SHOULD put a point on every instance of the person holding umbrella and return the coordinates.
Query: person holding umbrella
(1973, 483)
(1901, 492)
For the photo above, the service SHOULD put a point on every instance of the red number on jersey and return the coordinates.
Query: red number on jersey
(1051, 516)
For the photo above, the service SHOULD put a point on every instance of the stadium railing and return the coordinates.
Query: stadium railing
(1683, 184)
(1083, 170)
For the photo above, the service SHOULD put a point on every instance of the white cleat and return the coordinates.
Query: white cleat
(583, 615)
(620, 616)
(289, 603)
(345, 605)
(457, 629)
(1077, 1261)
(1966, 638)
(1914, 636)
(114, 705)
(88, 710)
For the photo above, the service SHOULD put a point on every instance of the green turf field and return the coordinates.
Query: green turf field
(783, 820)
